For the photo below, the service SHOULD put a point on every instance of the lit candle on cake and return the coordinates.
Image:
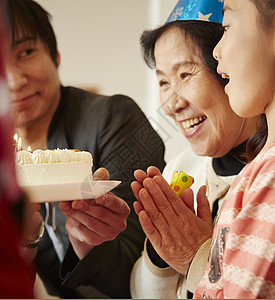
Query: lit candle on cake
(19, 146)
(17, 142)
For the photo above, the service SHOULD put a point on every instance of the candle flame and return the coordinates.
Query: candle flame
(15, 137)
(19, 143)
(29, 149)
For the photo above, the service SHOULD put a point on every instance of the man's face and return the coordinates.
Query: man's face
(33, 82)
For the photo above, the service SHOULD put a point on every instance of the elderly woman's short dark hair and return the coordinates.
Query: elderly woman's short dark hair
(203, 35)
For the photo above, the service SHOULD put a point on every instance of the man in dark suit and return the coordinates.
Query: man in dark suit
(85, 245)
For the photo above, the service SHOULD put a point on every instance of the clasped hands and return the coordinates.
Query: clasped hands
(169, 221)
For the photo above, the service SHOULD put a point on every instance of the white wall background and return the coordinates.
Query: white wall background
(99, 45)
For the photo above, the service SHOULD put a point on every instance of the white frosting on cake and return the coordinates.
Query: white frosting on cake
(53, 166)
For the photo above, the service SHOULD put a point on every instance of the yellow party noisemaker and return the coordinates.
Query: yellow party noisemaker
(180, 181)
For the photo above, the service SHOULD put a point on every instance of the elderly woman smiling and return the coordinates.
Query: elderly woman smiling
(192, 93)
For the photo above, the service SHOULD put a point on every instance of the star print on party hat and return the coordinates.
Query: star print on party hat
(202, 10)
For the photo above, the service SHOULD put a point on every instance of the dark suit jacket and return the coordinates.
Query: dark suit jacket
(121, 139)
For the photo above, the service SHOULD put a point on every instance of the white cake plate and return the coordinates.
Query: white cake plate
(69, 191)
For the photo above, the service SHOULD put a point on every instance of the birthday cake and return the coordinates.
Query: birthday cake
(53, 166)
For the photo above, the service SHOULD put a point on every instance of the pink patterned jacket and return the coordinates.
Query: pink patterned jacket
(241, 261)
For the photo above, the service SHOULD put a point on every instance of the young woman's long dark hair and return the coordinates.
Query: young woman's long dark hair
(257, 141)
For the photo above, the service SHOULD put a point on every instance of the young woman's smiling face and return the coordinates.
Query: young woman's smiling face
(194, 97)
(246, 54)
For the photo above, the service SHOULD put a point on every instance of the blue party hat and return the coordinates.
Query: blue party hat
(203, 10)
